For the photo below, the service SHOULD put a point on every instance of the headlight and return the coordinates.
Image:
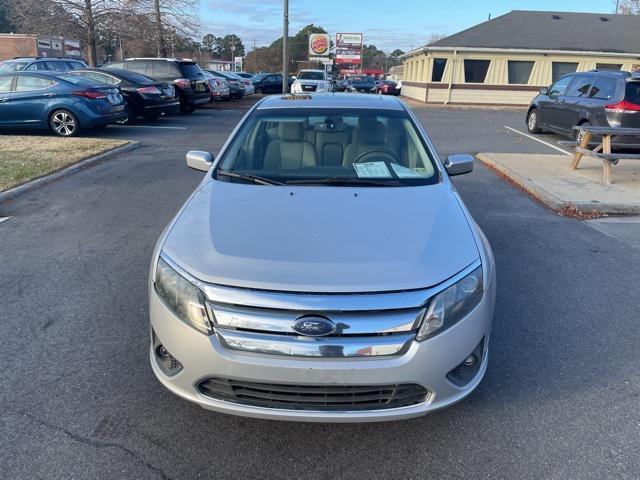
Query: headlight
(183, 298)
(452, 304)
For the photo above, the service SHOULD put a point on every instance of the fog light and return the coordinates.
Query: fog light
(469, 368)
(469, 361)
(167, 362)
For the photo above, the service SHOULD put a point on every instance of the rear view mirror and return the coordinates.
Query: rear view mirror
(199, 160)
(544, 90)
(459, 164)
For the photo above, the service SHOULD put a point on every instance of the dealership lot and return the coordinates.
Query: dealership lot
(79, 399)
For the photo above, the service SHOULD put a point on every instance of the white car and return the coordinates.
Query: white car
(311, 81)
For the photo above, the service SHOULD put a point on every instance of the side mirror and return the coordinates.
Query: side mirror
(459, 164)
(199, 160)
(544, 90)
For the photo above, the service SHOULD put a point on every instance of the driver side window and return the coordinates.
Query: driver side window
(560, 87)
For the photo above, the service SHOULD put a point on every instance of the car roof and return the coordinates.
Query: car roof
(332, 100)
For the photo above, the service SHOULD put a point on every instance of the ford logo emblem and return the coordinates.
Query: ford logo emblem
(313, 326)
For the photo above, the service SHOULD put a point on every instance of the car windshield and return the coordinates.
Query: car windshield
(7, 67)
(190, 69)
(137, 78)
(328, 147)
(259, 76)
(77, 80)
(311, 76)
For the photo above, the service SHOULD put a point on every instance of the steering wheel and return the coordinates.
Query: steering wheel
(387, 156)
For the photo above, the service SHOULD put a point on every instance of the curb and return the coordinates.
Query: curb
(66, 171)
(551, 200)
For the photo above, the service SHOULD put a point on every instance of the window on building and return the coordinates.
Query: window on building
(559, 69)
(604, 88)
(580, 86)
(439, 64)
(475, 71)
(609, 66)
(560, 86)
(519, 72)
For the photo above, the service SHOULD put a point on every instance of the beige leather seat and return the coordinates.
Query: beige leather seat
(331, 145)
(290, 151)
(371, 137)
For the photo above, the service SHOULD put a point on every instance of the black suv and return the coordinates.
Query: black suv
(39, 64)
(604, 98)
(191, 85)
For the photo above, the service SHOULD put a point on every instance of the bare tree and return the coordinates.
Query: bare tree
(179, 16)
(81, 18)
(628, 7)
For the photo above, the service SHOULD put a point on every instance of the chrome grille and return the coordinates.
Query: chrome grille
(357, 334)
(313, 397)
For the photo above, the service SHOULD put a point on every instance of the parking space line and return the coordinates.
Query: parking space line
(149, 126)
(4, 219)
(538, 140)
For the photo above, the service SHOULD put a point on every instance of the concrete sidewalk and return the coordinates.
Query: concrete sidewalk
(550, 179)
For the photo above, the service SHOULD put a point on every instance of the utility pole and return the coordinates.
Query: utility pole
(285, 48)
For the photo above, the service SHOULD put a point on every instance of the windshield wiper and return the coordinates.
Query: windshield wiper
(249, 178)
(346, 181)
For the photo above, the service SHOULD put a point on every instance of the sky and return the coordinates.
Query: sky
(387, 24)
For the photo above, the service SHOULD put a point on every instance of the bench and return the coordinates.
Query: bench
(602, 149)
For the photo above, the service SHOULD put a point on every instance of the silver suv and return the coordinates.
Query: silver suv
(324, 270)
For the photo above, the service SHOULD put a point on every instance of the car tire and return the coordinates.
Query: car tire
(533, 121)
(63, 123)
(187, 109)
(258, 91)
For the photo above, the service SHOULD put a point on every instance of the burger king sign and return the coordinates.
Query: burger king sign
(319, 44)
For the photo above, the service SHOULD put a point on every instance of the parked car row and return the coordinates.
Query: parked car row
(66, 96)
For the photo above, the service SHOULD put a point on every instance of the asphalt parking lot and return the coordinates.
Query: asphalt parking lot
(79, 400)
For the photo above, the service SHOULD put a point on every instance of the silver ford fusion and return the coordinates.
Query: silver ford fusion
(325, 269)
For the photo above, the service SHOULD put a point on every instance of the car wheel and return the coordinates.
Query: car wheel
(533, 121)
(187, 109)
(64, 123)
(579, 134)
(258, 91)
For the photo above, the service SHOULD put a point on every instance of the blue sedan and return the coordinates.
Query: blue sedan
(65, 104)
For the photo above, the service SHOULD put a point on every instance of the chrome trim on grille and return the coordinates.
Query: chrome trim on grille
(281, 321)
(320, 302)
(327, 347)
(367, 324)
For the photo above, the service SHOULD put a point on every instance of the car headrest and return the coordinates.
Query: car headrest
(290, 131)
(370, 131)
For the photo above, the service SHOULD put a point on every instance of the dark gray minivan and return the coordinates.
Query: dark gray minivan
(607, 98)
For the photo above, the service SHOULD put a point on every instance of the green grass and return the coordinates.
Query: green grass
(25, 157)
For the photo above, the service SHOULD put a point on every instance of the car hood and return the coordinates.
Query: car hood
(322, 239)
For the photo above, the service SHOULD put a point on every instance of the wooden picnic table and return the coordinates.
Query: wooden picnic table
(601, 149)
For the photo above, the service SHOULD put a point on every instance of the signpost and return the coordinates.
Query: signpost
(349, 49)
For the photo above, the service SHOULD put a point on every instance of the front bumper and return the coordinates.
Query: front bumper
(425, 363)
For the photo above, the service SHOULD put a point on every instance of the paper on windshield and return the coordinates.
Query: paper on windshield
(372, 170)
(404, 172)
